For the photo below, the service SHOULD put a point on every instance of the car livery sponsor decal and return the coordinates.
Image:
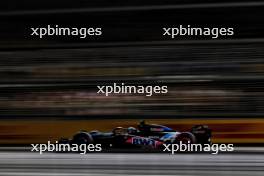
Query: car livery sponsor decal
(137, 140)
(156, 129)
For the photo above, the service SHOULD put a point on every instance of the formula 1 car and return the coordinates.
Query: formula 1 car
(147, 136)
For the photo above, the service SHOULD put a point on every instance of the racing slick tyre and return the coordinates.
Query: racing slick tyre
(202, 134)
(185, 138)
(82, 138)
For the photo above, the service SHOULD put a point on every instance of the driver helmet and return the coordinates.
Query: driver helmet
(142, 123)
(131, 130)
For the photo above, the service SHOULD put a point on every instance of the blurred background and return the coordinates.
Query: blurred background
(48, 86)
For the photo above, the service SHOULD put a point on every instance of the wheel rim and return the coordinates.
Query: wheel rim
(186, 140)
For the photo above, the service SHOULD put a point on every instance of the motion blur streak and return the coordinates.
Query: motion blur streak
(132, 8)
(203, 80)
(48, 87)
(130, 164)
(238, 131)
(49, 92)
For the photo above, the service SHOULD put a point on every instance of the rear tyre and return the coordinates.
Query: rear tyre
(82, 138)
(185, 138)
(202, 134)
